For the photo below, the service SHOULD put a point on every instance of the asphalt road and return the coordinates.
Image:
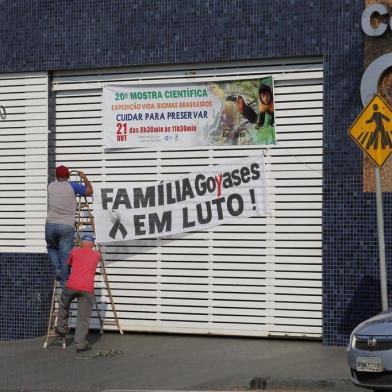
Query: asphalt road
(174, 362)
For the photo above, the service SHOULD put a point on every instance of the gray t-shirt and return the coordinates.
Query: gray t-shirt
(61, 203)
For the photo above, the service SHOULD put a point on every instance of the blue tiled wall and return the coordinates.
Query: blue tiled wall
(58, 34)
(26, 281)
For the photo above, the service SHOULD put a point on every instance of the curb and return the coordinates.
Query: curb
(266, 384)
(305, 384)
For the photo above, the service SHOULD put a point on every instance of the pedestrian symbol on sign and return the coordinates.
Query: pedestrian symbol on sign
(372, 130)
(379, 131)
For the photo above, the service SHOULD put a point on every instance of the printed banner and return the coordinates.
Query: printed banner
(236, 112)
(192, 202)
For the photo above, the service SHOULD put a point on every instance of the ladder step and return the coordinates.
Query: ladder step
(112, 323)
(109, 322)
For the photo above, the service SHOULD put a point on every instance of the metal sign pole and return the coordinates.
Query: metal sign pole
(381, 241)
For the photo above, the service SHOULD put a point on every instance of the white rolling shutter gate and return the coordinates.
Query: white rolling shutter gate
(259, 276)
(24, 161)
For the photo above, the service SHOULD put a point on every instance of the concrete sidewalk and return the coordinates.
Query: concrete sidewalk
(168, 362)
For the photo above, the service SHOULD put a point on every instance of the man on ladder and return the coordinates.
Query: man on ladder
(59, 229)
(84, 220)
(80, 284)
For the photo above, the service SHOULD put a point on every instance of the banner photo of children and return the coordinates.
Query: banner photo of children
(192, 202)
(221, 113)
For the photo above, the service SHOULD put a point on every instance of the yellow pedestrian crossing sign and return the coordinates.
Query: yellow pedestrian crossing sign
(372, 130)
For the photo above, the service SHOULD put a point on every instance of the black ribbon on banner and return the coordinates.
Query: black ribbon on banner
(117, 225)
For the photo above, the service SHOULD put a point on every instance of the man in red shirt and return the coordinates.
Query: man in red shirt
(80, 284)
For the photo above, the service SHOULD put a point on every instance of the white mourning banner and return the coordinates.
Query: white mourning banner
(192, 202)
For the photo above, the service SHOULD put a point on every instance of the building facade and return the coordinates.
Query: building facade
(320, 264)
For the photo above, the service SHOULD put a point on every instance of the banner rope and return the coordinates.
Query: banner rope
(298, 160)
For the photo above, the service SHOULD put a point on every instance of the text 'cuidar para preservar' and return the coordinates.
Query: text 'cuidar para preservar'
(192, 202)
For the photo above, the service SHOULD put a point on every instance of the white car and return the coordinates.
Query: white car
(369, 353)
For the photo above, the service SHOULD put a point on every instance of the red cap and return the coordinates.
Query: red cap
(62, 172)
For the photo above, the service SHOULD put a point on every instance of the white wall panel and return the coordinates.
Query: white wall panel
(23, 161)
(259, 276)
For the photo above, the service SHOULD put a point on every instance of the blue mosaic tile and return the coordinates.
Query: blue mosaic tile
(74, 34)
(26, 281)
